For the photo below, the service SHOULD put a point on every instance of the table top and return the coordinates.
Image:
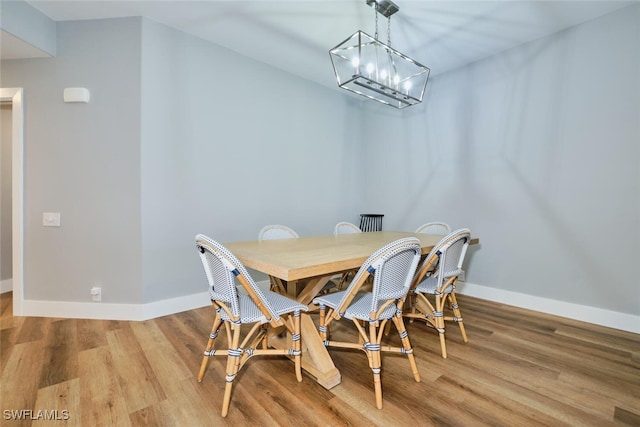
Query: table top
(306, 257)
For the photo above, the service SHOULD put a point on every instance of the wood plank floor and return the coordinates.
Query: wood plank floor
(519, 368)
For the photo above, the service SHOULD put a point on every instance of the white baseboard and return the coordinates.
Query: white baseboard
(598, 316)
(105, 311)
(6, 285)
(138, 312)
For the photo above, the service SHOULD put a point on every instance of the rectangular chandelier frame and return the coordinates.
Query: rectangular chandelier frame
(368, 67)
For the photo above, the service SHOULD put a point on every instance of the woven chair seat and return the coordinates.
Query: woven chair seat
(430, 285)
(250, 312)
(360, 307)
(330, 300)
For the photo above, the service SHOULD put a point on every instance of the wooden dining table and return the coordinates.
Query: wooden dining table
(303, 266)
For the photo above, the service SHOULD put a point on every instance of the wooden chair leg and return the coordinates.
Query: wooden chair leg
(438, 315)
(443, 343)
(233, 365)
(387, 329)
(406, 346)
(373, 351)
(295, 343)
(323, 326)
(217, 322)
(265, 340)
(457, 316)
(410, 305)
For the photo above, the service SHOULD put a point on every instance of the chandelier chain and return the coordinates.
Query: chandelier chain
(389, 31)
(375, 12)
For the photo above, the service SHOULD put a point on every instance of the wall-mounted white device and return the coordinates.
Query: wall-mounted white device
(51, 219)
(76, 94)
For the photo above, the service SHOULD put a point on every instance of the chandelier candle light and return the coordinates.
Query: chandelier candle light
(370, 68)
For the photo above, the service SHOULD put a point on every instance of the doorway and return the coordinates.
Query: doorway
(14, 97)
(6, 242)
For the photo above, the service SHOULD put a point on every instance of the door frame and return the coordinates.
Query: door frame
(16, 97)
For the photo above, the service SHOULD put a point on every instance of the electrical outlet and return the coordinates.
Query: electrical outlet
(51, 219)
(96, 293)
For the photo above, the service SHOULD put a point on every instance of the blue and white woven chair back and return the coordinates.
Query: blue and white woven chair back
(274, 232)
(435, 227)
(394, 272)
(452, 249)
(221, 268)
(389, 281)
(346, 228)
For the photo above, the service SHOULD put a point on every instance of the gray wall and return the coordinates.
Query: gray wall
(180, 137)
(5, 193)
(83, 160)
(230, 145)
(537, 150)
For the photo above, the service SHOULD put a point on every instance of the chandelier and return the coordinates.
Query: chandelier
(370, 68)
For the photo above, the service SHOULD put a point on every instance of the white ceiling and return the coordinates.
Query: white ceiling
(296, 35)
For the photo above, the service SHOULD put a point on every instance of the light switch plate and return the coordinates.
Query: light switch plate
(51, 219)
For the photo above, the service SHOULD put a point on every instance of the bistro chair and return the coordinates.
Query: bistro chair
(435, 282)
(434, 228)
(371, 222)
(262, 309)
(392, 268)
(275, 232)
(346, 228)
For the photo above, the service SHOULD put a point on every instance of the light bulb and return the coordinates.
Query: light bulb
(355, 62)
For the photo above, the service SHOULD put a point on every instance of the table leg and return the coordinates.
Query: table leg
(315, 357)
(311, 289)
